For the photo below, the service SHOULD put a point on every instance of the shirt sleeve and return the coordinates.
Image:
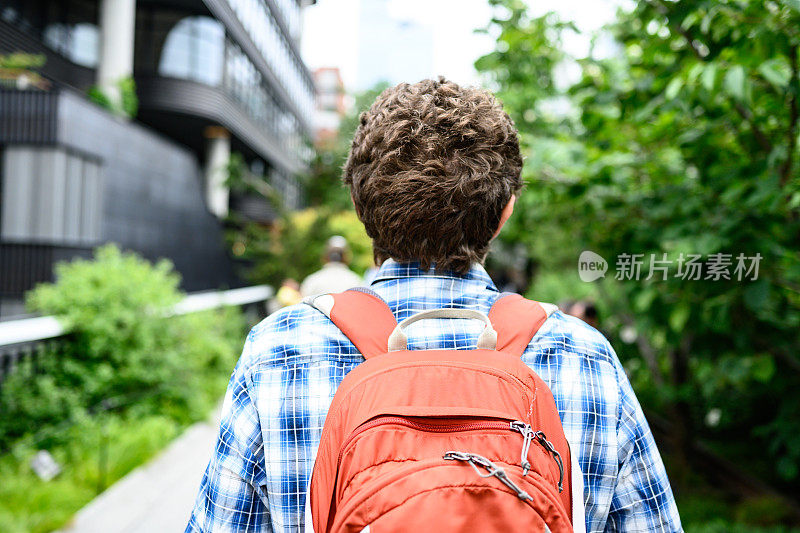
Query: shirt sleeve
(232, 496)
(642, 499)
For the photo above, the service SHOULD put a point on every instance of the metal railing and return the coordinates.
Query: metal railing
(26, 337)
(23, 265)
(28, 116)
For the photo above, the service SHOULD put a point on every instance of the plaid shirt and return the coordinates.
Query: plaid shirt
(294, 360)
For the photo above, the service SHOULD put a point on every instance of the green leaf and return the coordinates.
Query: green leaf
(678, 317)
(694, 72)
(735, 82)
(787, 468)
(763, 368)
(673, 88)
(690, 20)
(705, 24)
(756, 295)
(776, 71)
(709, 77)
(793, 4)
(644, 299)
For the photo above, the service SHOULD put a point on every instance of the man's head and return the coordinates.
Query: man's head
(431, 169)
(336, 250)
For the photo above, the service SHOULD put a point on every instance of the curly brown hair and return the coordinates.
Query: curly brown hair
(431, 167)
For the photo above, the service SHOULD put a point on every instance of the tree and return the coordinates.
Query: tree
(683, 143)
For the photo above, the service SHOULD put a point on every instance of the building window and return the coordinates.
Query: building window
(68, 27)
(262, 28)
(50, 196)
(79, 43)
(194, 50)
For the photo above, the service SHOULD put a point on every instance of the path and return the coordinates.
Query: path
(156, 497)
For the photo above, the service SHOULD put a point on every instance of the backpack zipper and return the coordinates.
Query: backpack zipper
(527, 432)
(528, 435)
(431, 428)
(357, 499)
(475, 460)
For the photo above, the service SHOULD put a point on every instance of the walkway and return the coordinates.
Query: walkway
(156, 497)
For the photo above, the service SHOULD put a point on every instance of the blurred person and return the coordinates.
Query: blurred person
(565, 305)
(334, 276)
(584, 310)
(289, 293)
(434, 171)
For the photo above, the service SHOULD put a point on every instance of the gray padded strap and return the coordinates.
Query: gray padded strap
(398, 340)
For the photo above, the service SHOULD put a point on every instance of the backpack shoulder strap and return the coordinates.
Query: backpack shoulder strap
(361, 315)
(516, 320)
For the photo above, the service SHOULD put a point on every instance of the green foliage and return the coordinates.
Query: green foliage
(99, 97)
(242, 180)
(129, 375)
(29, 505)
(294, 246)
(122, 352)
(129, 101)
(128, 104)
(21, 60)
(723, 526)
(684, 141)
(19, 70)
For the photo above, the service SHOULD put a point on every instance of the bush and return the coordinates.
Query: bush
(128, 104)
(129, 101)
(122, 351)
(29, 505)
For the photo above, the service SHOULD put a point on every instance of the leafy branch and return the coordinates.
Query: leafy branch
(702, 56)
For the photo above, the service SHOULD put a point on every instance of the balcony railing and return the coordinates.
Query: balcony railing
(24, 265)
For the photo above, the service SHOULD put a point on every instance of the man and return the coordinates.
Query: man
(334, 276)
(433, 171)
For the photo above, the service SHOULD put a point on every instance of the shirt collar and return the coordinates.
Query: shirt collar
(391, 269)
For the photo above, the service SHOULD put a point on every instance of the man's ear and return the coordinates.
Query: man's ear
(505, 215)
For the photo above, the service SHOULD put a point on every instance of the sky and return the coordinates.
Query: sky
(332, 35)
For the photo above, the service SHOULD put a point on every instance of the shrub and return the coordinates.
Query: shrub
(122, 351)
(128, 104)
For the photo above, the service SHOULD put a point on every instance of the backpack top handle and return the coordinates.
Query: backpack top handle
(487, 340)
(369, 323)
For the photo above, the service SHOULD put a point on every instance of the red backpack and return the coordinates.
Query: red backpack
(451, 440)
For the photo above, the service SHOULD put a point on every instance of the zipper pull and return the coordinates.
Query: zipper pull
(475, 460)
(540, 436)
(527, 437)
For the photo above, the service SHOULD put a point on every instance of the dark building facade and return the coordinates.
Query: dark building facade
(212, 77)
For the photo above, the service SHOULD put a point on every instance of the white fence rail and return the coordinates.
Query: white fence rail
(30, 330)
(19, 338)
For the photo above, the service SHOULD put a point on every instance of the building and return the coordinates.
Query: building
(331, 104)
(212, 77)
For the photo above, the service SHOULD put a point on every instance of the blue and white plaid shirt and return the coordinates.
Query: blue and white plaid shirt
(294, 360)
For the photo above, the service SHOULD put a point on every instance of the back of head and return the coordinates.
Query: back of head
(336, 250)
(431, 167)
